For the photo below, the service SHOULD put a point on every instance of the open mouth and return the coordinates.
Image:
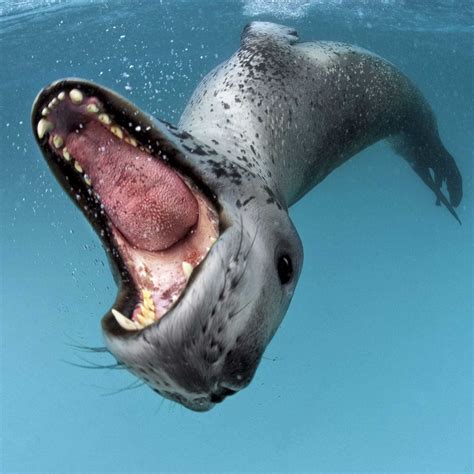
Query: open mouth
(155, 220)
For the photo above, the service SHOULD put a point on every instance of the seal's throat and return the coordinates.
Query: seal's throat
(157, 221)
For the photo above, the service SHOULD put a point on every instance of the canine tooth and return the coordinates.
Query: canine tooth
(105, 119)
(66, 154)
(58, 141)
(45, 112)
(78, 167)
(124, 321)
(76, 96)
(43, 127)
(92, 108)
(117, 131)
(62, 95)
(187, 269)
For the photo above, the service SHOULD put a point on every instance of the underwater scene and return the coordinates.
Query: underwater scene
(369, 368)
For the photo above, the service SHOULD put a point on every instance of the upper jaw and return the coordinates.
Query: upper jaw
(183, 150)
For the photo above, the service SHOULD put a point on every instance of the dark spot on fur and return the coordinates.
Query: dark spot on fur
(198, 150)
(248, 200)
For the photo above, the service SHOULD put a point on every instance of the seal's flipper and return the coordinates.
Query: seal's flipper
(435, 186)
(434, 165)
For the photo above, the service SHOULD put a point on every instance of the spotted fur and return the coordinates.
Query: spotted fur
(259, 132)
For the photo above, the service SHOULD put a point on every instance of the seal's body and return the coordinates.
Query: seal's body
(193, 319)
(296, 111)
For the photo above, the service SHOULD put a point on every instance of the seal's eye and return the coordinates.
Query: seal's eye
(285, 269)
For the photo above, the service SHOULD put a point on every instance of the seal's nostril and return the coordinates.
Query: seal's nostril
(220, 394)
(216, 398)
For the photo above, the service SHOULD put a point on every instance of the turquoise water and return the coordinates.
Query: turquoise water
(371, 369)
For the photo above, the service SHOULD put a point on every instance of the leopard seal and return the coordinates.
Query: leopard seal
(208, 276)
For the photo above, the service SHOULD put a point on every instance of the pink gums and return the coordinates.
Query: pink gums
(147, 201)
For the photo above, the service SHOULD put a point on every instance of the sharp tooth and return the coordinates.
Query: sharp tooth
(124, 321)
(87, 180)
(76, 96)
(62, 95)
(146, 293)
(149, 313)
(66, 154)
(117, 131)
(58, 141)
(78, 167)
(148, 304)
(104, 118)
(142, 320)
(44, 126)
(187, 269)
(53, 103)
(92, 108)
(131, 141)
(45, 112)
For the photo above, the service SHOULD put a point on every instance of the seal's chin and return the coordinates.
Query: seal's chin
(156, 222)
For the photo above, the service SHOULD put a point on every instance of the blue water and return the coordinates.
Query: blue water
(371, 369)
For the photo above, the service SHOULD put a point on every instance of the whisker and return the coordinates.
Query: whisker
(93, 365)
(88, 348)
(240, 239)
(246, 258)
(235, 313)
(132, 386)
(82, 347)
(163, 399)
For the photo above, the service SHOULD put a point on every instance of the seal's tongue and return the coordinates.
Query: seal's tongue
(145, 199)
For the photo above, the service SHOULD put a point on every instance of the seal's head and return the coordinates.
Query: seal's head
(203, 251)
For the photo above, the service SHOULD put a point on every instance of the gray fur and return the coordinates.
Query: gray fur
(260, 131)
